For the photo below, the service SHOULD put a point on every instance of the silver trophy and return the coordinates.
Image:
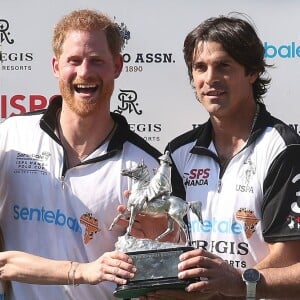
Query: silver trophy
(156, 261)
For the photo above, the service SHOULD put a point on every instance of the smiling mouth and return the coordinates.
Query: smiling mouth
(85, 88)
(213, 93)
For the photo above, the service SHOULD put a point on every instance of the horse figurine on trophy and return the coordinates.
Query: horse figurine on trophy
(153, 196)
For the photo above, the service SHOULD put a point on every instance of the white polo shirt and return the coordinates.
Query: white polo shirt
(59, 213)
(248, 203)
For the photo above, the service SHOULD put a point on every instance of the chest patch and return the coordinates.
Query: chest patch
(91, 226)
(249, 219)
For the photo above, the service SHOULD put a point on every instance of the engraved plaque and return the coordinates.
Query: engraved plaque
(156, 269)
(151, 264)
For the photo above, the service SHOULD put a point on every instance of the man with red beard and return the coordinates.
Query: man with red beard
(61, 182)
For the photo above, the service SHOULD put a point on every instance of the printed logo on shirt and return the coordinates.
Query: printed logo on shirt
(249, 219)
(245, 221)
(248, 171)
(53, 217)
(215, 225)
(294, 217)
(91, 226)
(224, 245)
(196, 177)
(34, 163)
(294, 222)
(221, 247)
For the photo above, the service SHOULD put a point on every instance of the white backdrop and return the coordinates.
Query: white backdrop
(153, 91)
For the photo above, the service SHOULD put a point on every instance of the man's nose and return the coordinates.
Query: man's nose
(84, 69)
(211, 76)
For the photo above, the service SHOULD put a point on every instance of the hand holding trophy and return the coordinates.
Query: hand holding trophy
(156, 262)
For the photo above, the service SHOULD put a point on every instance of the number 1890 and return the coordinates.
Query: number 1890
(133, 69)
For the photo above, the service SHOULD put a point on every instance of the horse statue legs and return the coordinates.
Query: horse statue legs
(130, 211)
(117, 218)
(176, 211)
(133, 212)
(170, 228)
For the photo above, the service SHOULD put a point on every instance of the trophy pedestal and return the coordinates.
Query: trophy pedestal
(133, 290)
(156, 269)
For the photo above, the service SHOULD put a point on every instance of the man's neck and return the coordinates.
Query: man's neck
(81, 136)
(230, 135)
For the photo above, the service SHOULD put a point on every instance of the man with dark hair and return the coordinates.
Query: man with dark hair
(243, 164)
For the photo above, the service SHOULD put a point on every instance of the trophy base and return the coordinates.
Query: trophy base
(156, 269)
(135, 290)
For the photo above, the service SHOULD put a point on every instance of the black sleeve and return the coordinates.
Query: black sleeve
(281, 206)
(178, 189)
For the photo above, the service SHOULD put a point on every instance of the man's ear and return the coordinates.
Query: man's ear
(252, 76)
(55, 66)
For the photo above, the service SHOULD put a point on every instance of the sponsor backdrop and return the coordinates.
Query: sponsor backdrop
(153, 91)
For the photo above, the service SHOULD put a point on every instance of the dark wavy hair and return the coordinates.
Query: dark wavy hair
(239, 39)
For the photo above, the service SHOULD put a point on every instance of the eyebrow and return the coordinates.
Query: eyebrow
(215, 62)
